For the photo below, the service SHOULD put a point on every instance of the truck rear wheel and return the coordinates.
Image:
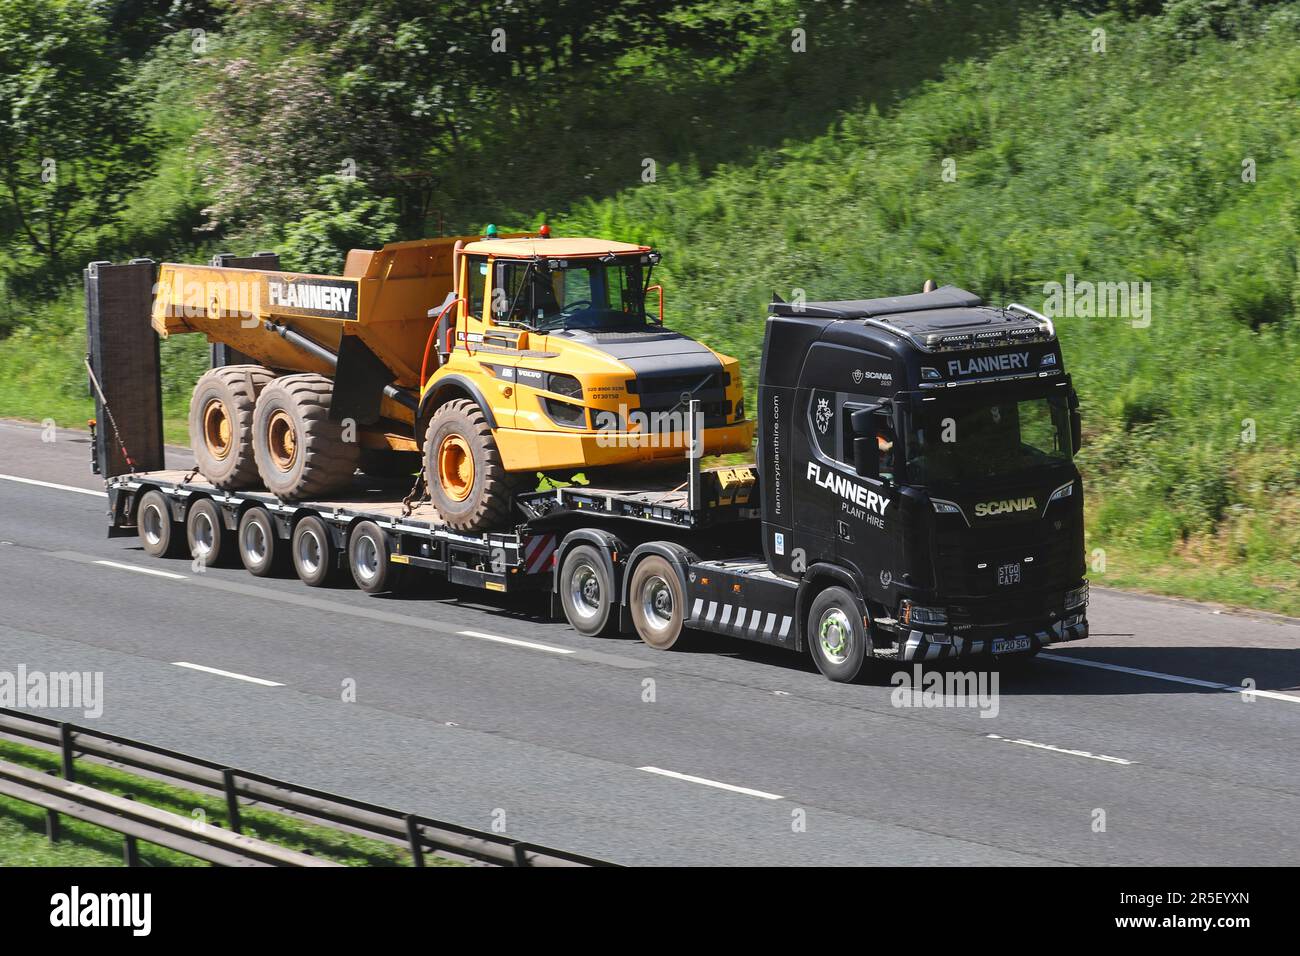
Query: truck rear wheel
(314, 554)
(656, 602)
(837, 635)
(586, 592)
(205, 533)
(300, 451)
(153, 520)
(467, 482)
(259, 546)
(369, 557)
(221, 424)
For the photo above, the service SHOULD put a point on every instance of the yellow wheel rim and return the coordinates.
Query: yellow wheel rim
(455, 467)
(216, 429)
(282, 439)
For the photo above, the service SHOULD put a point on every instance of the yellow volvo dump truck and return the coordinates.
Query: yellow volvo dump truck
(494, 358)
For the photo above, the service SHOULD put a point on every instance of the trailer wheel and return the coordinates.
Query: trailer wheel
(468, 485)
(369, 558)
(314, 554)
(300, 450)
(586, 592)
(837, 637)
(153, 520)
(221, 424)
(656, 602)
(205, 533)
(259, 546)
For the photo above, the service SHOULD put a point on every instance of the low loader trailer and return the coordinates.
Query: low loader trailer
(914, 499)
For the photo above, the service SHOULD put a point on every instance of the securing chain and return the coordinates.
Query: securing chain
(418, 493)
(130, 463)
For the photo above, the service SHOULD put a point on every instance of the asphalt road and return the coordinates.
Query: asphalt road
(551, 736)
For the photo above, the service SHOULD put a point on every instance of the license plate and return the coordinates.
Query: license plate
(1009, 645)
(1009, 574)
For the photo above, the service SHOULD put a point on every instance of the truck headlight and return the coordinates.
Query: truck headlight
(917, 614)
(1062, 492)
(1076, 598)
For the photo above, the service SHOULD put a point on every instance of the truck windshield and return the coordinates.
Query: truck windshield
(586, 294)
(960, 441)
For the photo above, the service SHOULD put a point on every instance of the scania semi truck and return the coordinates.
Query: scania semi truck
(914, 498)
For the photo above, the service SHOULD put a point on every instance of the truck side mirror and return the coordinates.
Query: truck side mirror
(866, 458)
(1076, 430)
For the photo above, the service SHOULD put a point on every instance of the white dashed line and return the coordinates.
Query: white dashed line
(140, 570)
(55, 486)
(1062, 750)
(712, 783)
(515, 642)
(1174, 678)
(221, 673)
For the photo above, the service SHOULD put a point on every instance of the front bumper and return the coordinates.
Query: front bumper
(918, 645)
(527, 450)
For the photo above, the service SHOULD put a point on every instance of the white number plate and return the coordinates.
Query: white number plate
(1009, 645)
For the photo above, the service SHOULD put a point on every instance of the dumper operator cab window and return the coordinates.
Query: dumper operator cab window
(605, 294)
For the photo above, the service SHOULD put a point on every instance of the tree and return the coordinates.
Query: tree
(70, 149)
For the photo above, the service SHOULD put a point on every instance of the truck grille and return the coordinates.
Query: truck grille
(1055, 558)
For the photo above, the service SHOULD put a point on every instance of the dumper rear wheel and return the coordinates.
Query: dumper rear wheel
(468, 485)
(300, 451)
(221, 424)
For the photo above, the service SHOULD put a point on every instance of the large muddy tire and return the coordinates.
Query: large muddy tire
(300, 452)
(467, 483)
(221, 424)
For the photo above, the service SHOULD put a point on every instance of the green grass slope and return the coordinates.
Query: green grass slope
(1122, 166)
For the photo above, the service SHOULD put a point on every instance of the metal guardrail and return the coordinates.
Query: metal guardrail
(420, 834)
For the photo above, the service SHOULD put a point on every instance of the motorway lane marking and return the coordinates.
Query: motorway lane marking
(140, 570)
(300, 597)
(1157, 675)
(712, 783)
(221, 673)
(518, 643)
(54, 485)
(1063, 750)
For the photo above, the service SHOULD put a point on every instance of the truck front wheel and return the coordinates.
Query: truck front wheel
(467, 482)
(837, 635)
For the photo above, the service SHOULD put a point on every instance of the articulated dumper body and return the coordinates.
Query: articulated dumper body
(496, 359)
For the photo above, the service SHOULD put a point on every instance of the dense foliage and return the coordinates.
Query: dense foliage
(838, 148)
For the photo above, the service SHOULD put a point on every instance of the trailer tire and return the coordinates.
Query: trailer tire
(300, 450)
(837, 635)
(467, 482)
(221, 424)
(314, 554)
(369, 557)
(153, 521)
(259, 545)
(205, 533)
(586, 592)
(656, 602)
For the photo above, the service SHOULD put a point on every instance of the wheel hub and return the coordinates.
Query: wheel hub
(282, 440)
(456, 467)
(217, 430)
(835, 634)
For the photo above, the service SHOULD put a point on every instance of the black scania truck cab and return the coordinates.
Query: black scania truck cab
(918, 451)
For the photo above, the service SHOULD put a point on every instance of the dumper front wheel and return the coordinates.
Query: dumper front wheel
(301, 452)
(221, 424)
(468, 485)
